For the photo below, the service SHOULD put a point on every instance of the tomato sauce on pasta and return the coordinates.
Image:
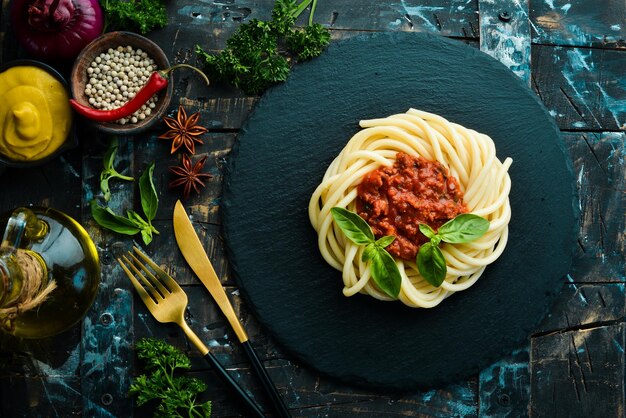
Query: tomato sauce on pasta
(395, 200)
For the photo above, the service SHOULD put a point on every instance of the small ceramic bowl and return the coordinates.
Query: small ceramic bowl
(79, 77)
(70, 141)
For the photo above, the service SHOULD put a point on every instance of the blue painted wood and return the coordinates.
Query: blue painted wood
(505, 34)
(579, 23)
(504, 387)
(583, 88)
(107, 340)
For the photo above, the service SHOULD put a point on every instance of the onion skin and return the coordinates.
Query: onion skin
(56, 29)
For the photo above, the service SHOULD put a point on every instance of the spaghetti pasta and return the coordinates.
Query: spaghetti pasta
(468, 155)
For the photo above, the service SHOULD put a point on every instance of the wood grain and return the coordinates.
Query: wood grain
(505, 34)
(581, 87)
(579, 23)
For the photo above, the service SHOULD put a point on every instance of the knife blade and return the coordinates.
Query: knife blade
(193, 251)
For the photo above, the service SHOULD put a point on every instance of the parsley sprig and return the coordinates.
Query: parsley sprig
(255, 57)
(134, 15)
(431, 262)
(177, 394)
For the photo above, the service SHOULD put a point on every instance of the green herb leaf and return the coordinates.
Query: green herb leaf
(149, 198)
(385, 241)
(369, 252)
(464, 228)
(109, 171)
(385, 272)
(431, 264)
(252, 60)
(355, 227)
(309, 42)
(177, 395)
(106, 218)
(137, 219)
(427, 231)
(135, 15)
(146, 235)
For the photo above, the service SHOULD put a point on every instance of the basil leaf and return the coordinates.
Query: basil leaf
(147, 191)
(137, 219)
(427, 231)
(109, 171)
(104, 186)
(146, 235)
(109, 158)
(385, 241)
(107, 219)
(385, 272)
(431, 264)
(355, 227)
(369, 252)
(464, 228)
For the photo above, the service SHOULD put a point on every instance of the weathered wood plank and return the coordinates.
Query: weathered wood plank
(108, 326)
(598, 161)
(218, 20)
(581, 306)
(48, 395)
(55, 184)
(504, 387)
(579, 23)
(578, 373)
(450, 18)
(582, 88)
(59, 355)
(505, 34)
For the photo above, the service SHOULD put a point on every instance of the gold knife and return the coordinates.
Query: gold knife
(193, 251)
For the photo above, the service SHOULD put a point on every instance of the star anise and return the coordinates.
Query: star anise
(184, 130)
(189, 176)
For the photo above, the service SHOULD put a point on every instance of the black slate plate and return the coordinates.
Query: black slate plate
(294, 133)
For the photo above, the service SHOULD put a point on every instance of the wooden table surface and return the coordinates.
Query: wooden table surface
(572, 54)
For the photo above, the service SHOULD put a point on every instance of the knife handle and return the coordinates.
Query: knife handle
(227, 378)
(268, 385)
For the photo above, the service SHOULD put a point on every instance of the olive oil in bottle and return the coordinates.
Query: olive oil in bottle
(49, 273)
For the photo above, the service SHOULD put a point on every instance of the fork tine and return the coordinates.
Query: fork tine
(147, 299)
(165, 278)
(155, 294)
(164, 291)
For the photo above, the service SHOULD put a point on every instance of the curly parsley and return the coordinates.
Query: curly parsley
(253, 59)
(177, 394)
(134, 15)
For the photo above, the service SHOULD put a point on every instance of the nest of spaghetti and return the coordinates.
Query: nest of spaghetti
(468, 156)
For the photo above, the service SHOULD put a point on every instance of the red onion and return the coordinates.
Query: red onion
(56, 29)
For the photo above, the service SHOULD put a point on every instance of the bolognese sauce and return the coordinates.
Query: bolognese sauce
(395, 200)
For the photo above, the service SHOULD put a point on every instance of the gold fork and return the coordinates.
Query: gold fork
(167, 302)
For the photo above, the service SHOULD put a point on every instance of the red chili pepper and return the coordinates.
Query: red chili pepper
(158, 81)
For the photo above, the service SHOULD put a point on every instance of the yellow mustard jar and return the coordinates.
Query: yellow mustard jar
(35, 115)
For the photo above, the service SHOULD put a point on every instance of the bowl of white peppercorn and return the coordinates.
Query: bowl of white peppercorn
(119, 72)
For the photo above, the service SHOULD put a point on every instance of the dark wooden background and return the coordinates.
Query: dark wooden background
(572, 54)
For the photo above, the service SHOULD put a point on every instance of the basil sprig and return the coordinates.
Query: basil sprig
(108, 172)
(430, 260)
(383, 267)
(133, 223)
